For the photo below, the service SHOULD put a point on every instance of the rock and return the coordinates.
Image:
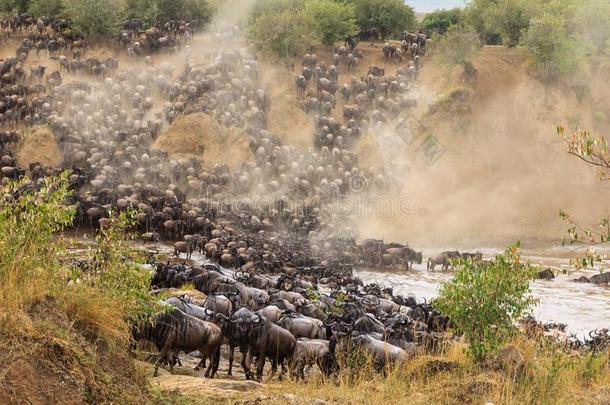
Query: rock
(318, 401)
(290, 397)
(546, 274)
(603, 278)
(511, 358)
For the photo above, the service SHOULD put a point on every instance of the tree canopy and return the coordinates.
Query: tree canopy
(389, 16)
(330, 21)
(440, 21)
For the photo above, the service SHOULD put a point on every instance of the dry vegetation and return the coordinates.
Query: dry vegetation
(548, 375)
(63, 330)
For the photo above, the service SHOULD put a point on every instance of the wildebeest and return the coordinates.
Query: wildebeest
(442, 259)
(309, 352)
(176, 331)
(267, 340)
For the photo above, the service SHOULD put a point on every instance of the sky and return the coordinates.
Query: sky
(424, 6)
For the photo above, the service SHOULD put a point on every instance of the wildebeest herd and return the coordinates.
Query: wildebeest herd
(281, 243)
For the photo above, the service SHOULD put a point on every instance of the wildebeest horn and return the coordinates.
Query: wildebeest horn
(208, 312)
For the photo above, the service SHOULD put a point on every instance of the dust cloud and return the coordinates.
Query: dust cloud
(503, 173)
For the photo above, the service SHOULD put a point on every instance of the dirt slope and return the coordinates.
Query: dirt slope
(504, 174)
(39, 146)
(198, 136)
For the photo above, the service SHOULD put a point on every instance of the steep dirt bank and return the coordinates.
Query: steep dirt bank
(504, 174)
(51, 360)
(198, 136)
(39, 146)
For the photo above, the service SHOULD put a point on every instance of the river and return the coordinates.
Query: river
(582, 306)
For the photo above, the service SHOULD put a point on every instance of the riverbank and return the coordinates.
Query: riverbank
(531, 372)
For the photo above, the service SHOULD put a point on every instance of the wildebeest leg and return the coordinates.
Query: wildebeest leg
(209, 368)
(273, 368)
(214, 361)
(202, 363)
(231, 355)
(260, 365)
(163, 355)
(246, 362)
(283, 369)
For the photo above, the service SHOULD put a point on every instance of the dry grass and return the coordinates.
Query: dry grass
(63, 332)
(550, 375)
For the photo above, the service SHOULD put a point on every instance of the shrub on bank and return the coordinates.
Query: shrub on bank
(53, 312)
(484, 300)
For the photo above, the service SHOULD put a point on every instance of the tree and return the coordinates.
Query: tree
(593, 151)
(553, 50)
(510, 18)
(330, 21)
(100, 18)
(14, 6)
(458, 46)
(441, 20)
(591, 21)
(49, 8)
(484, 299)
(475, 17)
(154, 11)
(389, 16)
(278, 27)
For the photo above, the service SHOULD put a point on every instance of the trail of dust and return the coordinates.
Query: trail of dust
(285, 118)
(505, 175)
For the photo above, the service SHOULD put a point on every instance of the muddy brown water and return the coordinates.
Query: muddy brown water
(581, 306)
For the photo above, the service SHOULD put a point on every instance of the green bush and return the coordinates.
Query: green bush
(278, 27)
(330, 21)
(100, 18)
(28, 247)
(154, 11)
(104, 295)
(510, 18)
(14, 6)
(484, 299)
(554, 51)
(389, 16)
(457, 46)
(441, 20)
(591, 22)
(49, 8)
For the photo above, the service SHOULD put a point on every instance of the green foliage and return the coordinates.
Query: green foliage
(554, 51)
(14, 6)
(389, 16)
(330, 21)
(591, 22)
(440, 21)
(278, 27)
(100, 18)
(484, 299)
(510, 18)
(49, 8)
(105, 294)
(28, 250)
(116, 269)
(475, 16)
(458, 46)
(155, 11)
